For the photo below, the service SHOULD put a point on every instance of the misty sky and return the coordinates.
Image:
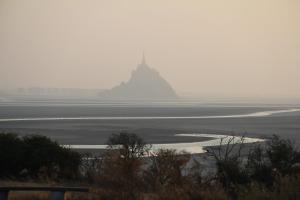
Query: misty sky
(203, 48)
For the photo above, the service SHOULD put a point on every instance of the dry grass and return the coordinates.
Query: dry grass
(286, 188)
(183, 193)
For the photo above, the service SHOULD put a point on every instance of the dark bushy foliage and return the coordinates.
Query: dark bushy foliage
(262, 165)
(284, 188)
(11, 154)
(278, 157)
(36, 156)
(283, 155)
(259, 166)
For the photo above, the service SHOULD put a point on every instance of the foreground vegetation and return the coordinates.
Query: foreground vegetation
(266, 171)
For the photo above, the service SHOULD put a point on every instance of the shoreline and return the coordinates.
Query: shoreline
(189, 147)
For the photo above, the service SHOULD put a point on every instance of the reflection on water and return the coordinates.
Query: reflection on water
(192, 147)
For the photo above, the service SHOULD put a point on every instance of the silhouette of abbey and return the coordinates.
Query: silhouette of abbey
(145, 84)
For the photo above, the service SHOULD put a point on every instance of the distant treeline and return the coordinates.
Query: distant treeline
(266, 171)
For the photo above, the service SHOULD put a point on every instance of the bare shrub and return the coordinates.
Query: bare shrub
(120, 170)
(165, 169)
(229, 161)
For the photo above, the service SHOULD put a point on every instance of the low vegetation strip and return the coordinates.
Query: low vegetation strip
(269, 170)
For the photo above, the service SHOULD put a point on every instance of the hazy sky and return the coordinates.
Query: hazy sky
(203, 48)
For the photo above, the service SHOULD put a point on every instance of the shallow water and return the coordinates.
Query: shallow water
(255, 114)
(89, 124)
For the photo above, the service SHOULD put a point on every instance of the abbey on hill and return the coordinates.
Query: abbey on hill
(145, 84)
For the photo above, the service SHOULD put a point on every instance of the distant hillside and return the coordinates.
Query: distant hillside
(50, 93)
(145, 84)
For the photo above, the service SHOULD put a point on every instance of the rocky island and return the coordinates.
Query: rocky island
(145, 84)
